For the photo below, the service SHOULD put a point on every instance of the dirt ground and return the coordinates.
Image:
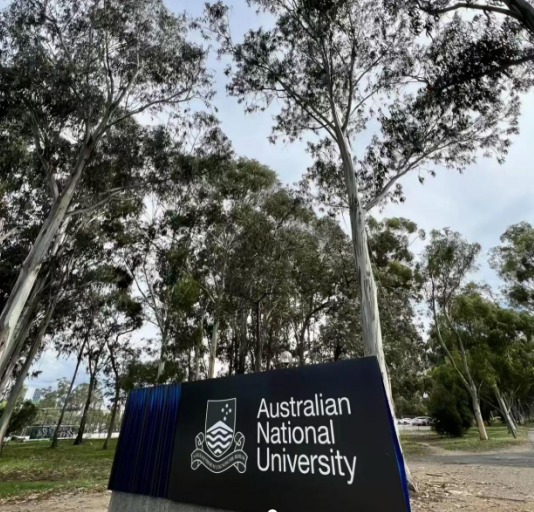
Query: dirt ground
(66, 503)
(489, 482)
(494, 482)
(472, 488)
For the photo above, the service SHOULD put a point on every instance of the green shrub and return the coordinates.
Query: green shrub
(22, 418)
(449, 403)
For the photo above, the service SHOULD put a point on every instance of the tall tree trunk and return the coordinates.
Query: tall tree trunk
(478, 415)
(371, 329)
(161, 364)
(270, 349)
(22, 336)
(231, 350)
(213, 348)
(517, 414)
(198, 348)
(21, 333)
(237, 344)
(259, 348)
(189, 365)
(32, 265)
(83, 422)
(337, 351)
(301, 351)
(65, 404)
(471, 386)
(243, 343)
(504, 410)
(21, 377)
(113, 416)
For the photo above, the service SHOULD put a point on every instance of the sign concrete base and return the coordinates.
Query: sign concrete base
(125, 502)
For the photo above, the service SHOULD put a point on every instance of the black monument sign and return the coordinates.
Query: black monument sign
(315, 439)
(311, 439)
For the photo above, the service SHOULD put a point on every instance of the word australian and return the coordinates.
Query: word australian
(273, 433)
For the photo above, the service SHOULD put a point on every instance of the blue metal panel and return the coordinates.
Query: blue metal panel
(145, 447)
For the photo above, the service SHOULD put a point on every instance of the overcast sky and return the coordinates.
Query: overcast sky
(481, 203)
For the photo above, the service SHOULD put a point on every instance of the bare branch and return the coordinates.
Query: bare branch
(464, 5)
(8, 234)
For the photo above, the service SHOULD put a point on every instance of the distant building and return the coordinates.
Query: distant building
(36, 396)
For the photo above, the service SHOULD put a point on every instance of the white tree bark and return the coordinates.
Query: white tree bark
(471, 386)
(213, 349)
(32, 265)
(161, 364)
(15, 391)
(8, 234)
(259, 342)
(371, 329)
(198, 349)
(478, 415)
(21, 334)
(505, 411)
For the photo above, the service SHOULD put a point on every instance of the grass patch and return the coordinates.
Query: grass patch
(33, 468)
(424, 442)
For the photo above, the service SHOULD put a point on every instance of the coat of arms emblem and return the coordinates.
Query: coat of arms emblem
(213, 445)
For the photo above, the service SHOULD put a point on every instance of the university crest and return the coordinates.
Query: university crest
(213, 445)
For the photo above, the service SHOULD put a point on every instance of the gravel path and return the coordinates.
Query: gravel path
(523, 458)
(489, 482)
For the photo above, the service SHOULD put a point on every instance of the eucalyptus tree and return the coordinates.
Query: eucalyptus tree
(108, 313)
(35, 345)
(400, 283)
(94, 66)
(118, 160)
(122, 316)
(478, 49)
(448, 260)
(494, 337)
(329, 64)
(514, 261)
(232, 191)
(156, 244)
(261, 273)
(321, 278)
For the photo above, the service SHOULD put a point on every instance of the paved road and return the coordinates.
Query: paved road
(523, 459)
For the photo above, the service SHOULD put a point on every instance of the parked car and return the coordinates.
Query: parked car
(422, 421)
(404, 421)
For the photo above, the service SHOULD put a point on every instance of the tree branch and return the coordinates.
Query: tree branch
(464, 5)
(8, 234)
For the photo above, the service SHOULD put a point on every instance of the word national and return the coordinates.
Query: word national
(319, 438)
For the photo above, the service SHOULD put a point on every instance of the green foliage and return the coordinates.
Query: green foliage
(449, 403)
(141, 375)
(22, 418)
(514, 260)
(476, 52)
(319, 61)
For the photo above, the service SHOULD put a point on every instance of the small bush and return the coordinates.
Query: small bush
(449, 403)
(22, 418)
